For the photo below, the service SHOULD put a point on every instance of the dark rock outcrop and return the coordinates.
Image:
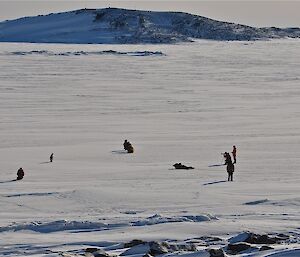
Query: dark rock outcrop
(157, 248)
(182, 247)
(134, 242)
(260, 239)
(101, 253)
(91, 249)
(238, 247)
(265, 248)
(216, 253)
(253, 238)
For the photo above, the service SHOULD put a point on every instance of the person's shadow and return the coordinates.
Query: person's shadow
(119, 152)
(214, 182)
(215, 165)
(7, 181)
(44, 162)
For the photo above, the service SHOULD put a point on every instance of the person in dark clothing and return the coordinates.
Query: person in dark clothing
(51, 157)
(179, 166)
(125, 144)
(230, 170)
(234, 154)
(227, 158)
(128, 146)
(230, 166)
(20, 174)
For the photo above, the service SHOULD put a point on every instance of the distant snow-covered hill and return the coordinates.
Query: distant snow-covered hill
(121, 26)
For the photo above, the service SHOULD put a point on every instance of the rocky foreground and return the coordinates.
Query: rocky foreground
(121, 26)
(242, 244)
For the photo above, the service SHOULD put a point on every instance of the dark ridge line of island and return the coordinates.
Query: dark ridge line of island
(122, 26)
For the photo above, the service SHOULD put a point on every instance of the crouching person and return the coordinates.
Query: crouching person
(128, 146)
(20, 174)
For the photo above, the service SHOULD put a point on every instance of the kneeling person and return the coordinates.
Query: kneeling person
(128, 146)
(20, 174)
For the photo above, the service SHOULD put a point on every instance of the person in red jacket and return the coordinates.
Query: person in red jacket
(234, 154)
(20, 174)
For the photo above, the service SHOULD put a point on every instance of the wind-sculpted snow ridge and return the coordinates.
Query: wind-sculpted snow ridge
(121, 26)
(61, 225)
(158, 219)
(83, 53)
(286, 202)
(33, 194)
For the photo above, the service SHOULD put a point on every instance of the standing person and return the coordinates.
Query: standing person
(51, 157)
(126, 144)
(20, 174)
(234, 154)
(230, 166)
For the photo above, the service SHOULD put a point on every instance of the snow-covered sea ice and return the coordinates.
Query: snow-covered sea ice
(176, 103)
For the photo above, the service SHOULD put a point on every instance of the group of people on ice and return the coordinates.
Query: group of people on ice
(228, 163)
(129, 148)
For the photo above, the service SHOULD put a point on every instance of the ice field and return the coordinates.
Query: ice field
(176, 103)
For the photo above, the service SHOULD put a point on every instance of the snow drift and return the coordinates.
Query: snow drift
(188, 106)
(62, 225)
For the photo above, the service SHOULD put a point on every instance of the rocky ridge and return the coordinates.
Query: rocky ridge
(122, 26)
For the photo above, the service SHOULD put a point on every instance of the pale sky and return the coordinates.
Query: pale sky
(253, 13)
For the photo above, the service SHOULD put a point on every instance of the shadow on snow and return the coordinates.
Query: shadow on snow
(214, 182)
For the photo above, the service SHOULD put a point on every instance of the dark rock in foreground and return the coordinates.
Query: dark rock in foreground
(252, 238)
(157, 248)
(265, 239)
(91, 249)
(201, 246)
(238, 247)
(134, 242)
(265, 248)
(216, 253)
(102, 253)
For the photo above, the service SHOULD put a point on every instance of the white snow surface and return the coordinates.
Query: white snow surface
(189, 103)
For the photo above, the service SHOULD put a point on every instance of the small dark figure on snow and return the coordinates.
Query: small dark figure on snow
(20, 174)
(179, 166)
(234, 154)
(125, 144)
(51, 157)
(128, 146)
(230, 166)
